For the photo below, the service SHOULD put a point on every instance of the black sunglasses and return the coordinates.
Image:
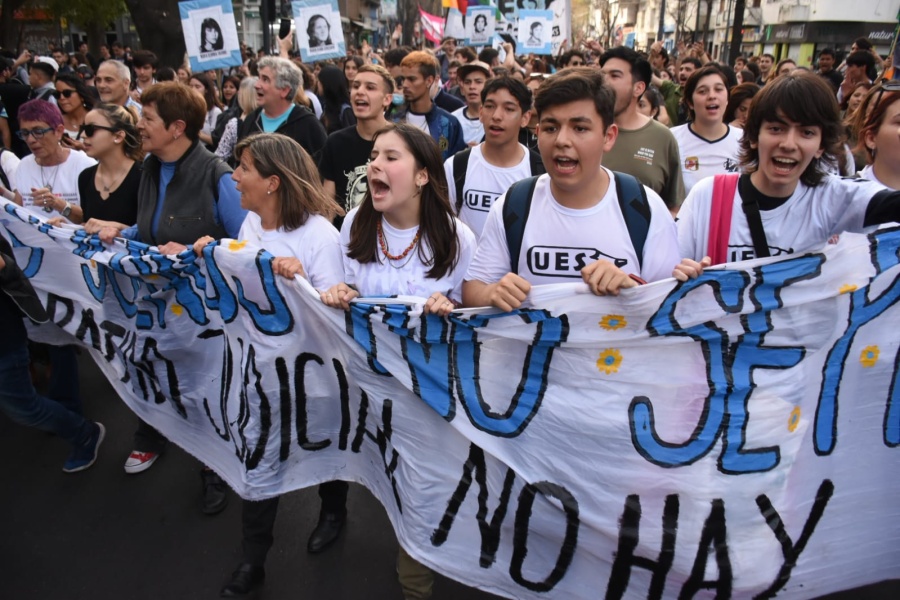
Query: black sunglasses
(90, 129)
(64, 93)
(891, 85)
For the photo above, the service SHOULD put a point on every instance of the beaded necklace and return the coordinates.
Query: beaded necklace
(384, 247)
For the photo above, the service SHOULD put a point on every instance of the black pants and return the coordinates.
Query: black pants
(258, 519)
(148, 439)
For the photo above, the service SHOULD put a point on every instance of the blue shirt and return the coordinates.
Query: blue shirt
(271, 124)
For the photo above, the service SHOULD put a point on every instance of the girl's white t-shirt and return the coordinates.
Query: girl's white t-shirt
(804, 222)
(385, 277)
(316, 244)
(701, 158)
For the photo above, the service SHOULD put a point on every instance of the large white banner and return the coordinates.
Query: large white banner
(734, 435)
(210, 34)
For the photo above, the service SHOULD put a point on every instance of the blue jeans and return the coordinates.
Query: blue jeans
(21, 402)
(63, 385)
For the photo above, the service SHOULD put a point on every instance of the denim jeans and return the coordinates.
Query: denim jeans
(63, 385)
(21, 402)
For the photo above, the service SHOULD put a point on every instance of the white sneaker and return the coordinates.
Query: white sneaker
(139, 462)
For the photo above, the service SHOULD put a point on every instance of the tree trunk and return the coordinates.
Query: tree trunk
(96, 36)
(737, 36)
(709, 4)
(9, 30)
(158, 24)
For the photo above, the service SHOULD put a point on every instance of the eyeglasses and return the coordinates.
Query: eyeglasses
(37, 133)
(891, 85)
(63, 93)
(90, 129)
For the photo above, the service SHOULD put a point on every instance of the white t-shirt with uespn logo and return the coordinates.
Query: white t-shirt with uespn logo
(559, 241)
(484, 183)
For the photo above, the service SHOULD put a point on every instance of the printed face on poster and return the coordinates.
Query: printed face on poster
(210, 34)
(480, 24)
(535, 31)
(318, 27)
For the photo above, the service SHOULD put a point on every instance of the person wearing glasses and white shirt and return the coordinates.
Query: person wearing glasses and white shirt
(47, 179)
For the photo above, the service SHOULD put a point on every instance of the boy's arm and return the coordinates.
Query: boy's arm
(506, 294)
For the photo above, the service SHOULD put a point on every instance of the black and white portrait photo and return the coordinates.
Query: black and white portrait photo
(211, 38)
(318, 30)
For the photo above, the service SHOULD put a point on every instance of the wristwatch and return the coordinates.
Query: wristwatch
(67, 210)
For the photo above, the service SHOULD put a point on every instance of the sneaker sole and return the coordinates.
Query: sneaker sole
(96, 452)
(140, 468)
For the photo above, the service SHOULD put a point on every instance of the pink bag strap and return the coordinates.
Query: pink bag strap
(724, 188)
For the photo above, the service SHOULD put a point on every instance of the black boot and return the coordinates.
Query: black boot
(215, 493)
(244, 579)
(327, 530)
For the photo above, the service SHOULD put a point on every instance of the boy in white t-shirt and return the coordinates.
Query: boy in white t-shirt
(792, 132)
(575, 227)
(500, 160)
(472, 77)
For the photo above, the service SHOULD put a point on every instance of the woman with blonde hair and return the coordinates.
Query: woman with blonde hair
(247, 100)
(290, 216)
(109, 189)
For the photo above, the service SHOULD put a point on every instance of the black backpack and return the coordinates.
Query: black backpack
(632, 201)
(461, 166)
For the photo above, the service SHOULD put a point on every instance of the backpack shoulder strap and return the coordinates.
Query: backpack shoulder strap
(460, 166)
(724, 188)
(515, 214)
(537, 165)
(636, 211)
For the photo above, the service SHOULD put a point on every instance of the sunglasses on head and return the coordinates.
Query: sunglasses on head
(90, 129)
(63, 93)
(891, 85)
(539, 75)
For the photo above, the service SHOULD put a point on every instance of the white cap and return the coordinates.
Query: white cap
(47, 61)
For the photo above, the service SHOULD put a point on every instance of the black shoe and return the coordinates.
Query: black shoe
(215, 493)
(327, 530)
(244, 579)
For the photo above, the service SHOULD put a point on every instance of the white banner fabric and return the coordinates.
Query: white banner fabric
(736, 434)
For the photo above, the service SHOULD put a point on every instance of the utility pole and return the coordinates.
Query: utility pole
(662, 20)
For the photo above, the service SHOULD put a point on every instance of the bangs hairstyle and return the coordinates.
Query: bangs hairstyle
(381, 72)
(875, 119)
(124, 120)
(690, 86)
(804, 98)
(438, 245)
(177, 102)
(574, 84)
(515, 87)
(301, 192)
(737, 94)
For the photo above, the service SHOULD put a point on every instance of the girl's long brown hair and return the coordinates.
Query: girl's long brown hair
(436, 223)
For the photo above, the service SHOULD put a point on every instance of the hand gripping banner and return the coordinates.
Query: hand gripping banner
(736, 434)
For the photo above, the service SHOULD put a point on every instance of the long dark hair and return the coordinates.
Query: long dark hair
(88, 97)
(334, 96)
(209, 90)
(438, 245)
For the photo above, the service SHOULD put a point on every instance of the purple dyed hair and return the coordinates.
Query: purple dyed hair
(41, 110)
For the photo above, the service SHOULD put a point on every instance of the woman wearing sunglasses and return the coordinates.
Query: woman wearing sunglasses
(74, 101)
(109, 189)
(879, 136)
(48, 178)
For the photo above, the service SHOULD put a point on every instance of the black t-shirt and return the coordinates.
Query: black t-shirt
(120, 206)
(343, 161)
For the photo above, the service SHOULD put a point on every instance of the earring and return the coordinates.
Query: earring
(268, 192)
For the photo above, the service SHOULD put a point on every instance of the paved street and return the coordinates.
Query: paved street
(102, 534)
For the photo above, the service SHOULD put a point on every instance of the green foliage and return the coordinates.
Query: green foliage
(87, 11)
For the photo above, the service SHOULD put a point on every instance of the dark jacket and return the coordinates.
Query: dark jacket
(443, 127)
(302, 126)
(189, 206)
(17, 299)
